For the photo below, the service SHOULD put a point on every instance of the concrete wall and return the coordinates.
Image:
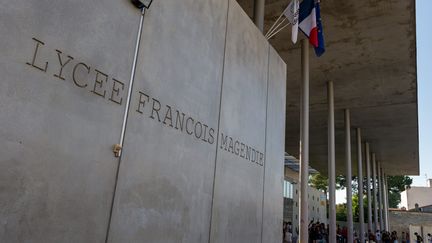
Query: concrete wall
(203, 150)
(401, 220)
(60, 117)
(416, 195)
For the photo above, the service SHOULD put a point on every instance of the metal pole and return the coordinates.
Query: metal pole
(360, 184)
(374, 192)
(386, 203)
(380, 197)
(383, 198)
(331, 163)
(125, 114)
(368, 188)
(304, 144)
(132, 79)
(259, 14)
(348, 175)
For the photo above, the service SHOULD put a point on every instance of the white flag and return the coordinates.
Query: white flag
(292, 14)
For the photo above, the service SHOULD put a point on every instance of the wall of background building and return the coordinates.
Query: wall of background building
(416, 195)
(317, 204)
(401, 221)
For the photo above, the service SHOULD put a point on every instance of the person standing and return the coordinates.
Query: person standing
(378, 236)
(429, 238)
(419, 239)
(394, 237)
(289, 237)
(403, 238)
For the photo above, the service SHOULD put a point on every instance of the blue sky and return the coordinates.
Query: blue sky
(424, 81)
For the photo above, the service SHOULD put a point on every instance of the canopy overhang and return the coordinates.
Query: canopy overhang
(371, 58)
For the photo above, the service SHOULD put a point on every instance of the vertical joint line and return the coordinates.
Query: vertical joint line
(265, 144)
(218, 125)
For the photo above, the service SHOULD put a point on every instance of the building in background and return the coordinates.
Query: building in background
(417, 197)
(317, 199)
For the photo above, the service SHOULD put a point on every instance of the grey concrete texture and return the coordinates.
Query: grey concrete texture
(371, 58)
(238, 186)
(164, 191)
(58, 124)
(65, 71)
(275, 140)
(400, 221)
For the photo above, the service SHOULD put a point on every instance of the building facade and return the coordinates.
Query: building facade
(317, 200)
(417, 197)
(123, 127)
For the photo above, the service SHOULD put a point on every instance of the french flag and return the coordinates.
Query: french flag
(310, 24)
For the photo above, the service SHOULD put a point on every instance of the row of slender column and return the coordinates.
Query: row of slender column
(379, 182)
(377, 179)
(380, 196)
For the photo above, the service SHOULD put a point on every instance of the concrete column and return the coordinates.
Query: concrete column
(360, 185)
(348, 175)
(368, 181)
(258, 16)
(304, 144)
(380, 197)
(382, 190)
(386, 201)
(375, 193)
(331, 163)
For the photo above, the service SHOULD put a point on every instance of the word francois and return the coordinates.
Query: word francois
(79, 73)
(174, 118)
(241, 149)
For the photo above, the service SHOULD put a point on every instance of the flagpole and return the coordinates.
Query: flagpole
(273, 26)
(279, 30)
(304, 143)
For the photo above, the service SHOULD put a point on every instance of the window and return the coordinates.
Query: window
(288, 189)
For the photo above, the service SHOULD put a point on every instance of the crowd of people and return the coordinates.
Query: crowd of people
(319, 233)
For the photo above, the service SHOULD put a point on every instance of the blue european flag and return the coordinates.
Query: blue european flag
(319, 50)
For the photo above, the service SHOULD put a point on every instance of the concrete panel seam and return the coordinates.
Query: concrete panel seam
(265, 143)
(218, 125)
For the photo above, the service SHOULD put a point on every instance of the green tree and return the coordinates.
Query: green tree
(356, 208)
(341, 212)
(341, 209)
(396, 185)
(319, 182)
